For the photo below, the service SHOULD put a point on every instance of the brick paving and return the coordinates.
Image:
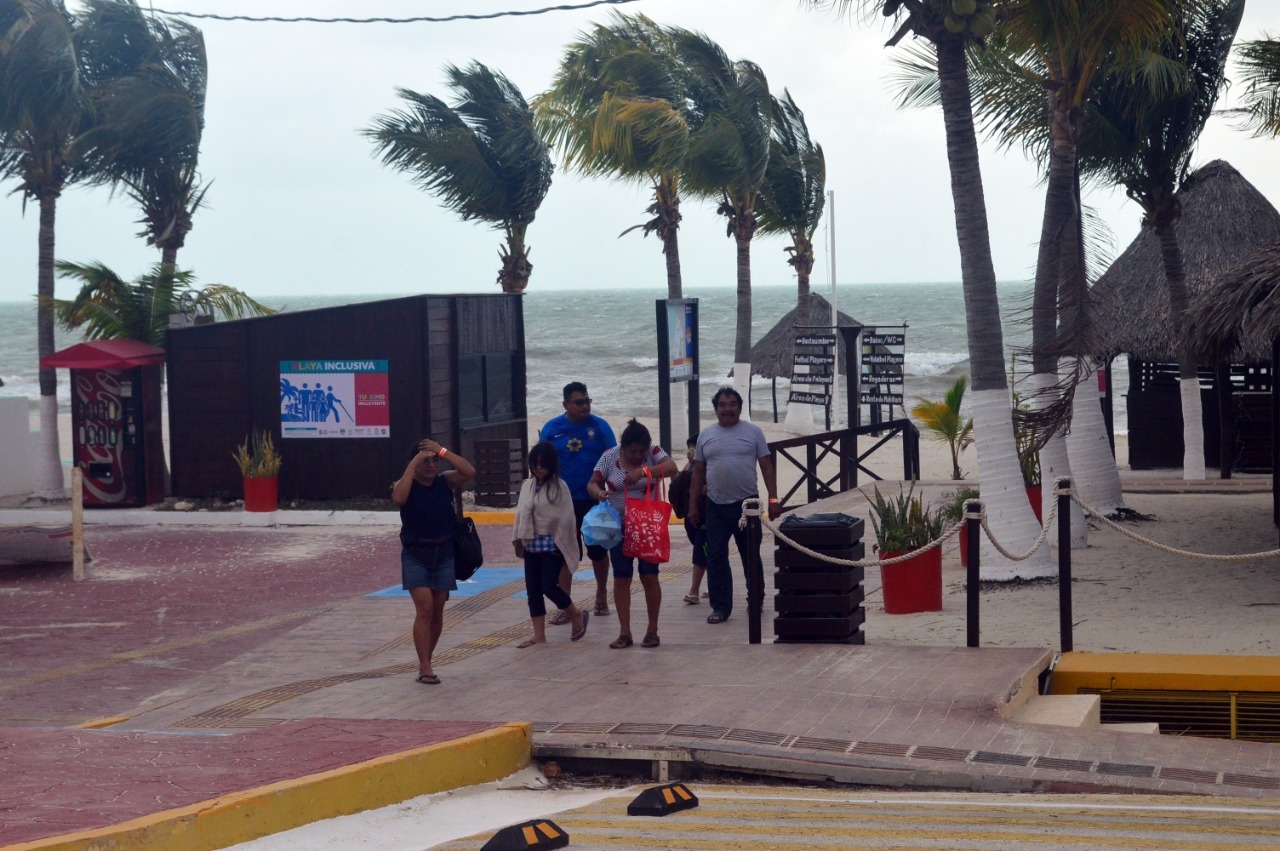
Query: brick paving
(240, 656)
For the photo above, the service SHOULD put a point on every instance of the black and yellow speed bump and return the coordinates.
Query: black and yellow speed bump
(663, 800)
(539, 833)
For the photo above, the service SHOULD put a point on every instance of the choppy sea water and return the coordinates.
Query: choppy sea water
(607, 339)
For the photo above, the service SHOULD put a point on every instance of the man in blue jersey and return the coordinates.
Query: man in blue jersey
(580, 438)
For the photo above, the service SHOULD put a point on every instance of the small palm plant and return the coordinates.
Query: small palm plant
(903, 522)
(944, 423)
(257, 457)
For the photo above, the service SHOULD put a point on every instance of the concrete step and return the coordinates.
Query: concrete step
(1149, 727)
(1081, 711)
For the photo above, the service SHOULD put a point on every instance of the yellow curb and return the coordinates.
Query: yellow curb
(380, 782)
(100, 723)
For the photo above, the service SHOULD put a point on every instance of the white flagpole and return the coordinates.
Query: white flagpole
(835, 306)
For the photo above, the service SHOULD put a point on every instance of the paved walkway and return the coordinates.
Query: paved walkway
(227, 658)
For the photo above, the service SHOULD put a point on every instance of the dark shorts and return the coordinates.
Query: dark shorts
(697, 537)
(624, 566)
(428, 567)
(580, 509)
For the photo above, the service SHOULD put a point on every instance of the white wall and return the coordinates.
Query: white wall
(17, 447)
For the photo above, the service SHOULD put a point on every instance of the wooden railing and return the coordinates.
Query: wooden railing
(841, 447)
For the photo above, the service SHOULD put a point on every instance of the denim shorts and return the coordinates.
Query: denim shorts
(428, 567)
(624, 566)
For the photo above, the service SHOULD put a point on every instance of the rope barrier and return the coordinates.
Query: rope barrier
(755, 507)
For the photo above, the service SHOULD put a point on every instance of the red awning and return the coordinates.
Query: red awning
(105, 354)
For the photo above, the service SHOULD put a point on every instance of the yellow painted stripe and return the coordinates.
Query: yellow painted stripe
(530, 838)
(380, 782)
(1171, 671)
(547, 830)
(100, 723)
(683, 793)
(667, 796)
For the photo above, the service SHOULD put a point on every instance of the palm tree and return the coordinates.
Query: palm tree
(793, 196)
(1260, 71)
(42, 110)
(943, 421)
(937, 22)
(108, 307)
(1144, 139)
(730, 118)
(482, 157)
(613, 110)
(149, 78)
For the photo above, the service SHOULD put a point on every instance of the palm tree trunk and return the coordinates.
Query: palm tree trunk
(1189, 380)
(742, 333)
(49, 482)
(667, 207)
(169, 258)
(516, 268)
(1092, 462)
(1009, 513)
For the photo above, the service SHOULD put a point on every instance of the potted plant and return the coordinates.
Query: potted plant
(943, 422)
(952, 513)
(259, 464)
(1029, 462)
(902, 524)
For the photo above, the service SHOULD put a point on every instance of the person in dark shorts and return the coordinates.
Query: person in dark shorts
(428, 525)
(682, 499)
(580, 438)
(544, 536)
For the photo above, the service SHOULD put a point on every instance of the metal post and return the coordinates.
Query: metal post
(77, 523)
(973, 527)
(1064, 562)
(754, 568)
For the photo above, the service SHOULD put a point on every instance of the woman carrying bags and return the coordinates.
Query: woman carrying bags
(623, 472)
(546, 537)
(427, 529)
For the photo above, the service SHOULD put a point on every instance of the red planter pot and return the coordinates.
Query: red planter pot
(914, 585)
(1037, 505)
(260, 493)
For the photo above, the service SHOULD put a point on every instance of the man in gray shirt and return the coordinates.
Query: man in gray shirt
(726, 459)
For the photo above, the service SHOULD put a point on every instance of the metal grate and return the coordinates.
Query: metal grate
(945, 754)
(1250, 716)
(1001, 758)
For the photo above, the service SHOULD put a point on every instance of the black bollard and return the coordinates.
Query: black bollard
(973, 527)
(754, 568)
(1064, 566)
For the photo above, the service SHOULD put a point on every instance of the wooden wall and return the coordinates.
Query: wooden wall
(224, 380)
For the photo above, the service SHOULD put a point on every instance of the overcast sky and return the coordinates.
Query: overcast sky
(299, 205)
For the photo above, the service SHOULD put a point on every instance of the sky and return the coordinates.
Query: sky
(298, 204)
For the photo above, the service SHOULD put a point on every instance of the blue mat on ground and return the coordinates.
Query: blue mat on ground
(484, 579)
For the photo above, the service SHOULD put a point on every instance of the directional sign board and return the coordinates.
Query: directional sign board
(883, 358)
(813, 366)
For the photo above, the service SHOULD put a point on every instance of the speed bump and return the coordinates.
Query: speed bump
(539, 833)
(663, 800)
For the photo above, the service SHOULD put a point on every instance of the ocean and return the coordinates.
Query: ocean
(607, 339)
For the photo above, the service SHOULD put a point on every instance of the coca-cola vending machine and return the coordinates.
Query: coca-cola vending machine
(115, 421)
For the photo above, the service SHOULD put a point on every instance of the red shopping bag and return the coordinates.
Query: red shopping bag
(645, 532)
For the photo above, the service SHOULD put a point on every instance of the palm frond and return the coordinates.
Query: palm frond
(1259, 63)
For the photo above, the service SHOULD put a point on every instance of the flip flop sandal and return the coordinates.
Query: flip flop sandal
(601, 609)
(622, 642)
(651, 640)
(582, 630)
(558, 618)
(692, 599)
(716, 617)
(527, 643)
(428, 679)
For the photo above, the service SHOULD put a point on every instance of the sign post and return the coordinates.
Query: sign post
(677, 322)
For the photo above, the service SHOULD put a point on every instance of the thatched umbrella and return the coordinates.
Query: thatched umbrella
(773, 356)
(1224, 218)
(1244, 315)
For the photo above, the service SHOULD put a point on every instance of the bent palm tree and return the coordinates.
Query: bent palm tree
(1144, 141)
(1003, 494)
(793, 195)
(41, 112)
(729, 110)
(107, 307)
(149, 77)
(482, 157)
(613, 110)
(1260, 71)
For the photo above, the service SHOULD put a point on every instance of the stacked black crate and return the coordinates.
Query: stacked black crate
(818, 601)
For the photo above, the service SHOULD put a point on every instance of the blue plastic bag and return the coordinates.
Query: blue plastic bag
(602, 526)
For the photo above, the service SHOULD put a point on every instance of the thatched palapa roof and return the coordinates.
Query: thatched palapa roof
(773, 355)
(1246, 311)
(1224, 218)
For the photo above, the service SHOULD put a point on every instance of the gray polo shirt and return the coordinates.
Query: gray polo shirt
(731, 455)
